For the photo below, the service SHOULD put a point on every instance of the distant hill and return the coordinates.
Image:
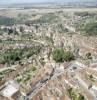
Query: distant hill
(67, 3)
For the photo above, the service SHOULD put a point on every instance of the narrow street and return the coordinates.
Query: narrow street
(41, 83)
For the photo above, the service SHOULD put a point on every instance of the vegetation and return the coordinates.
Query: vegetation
(46, 18)
(88, 55)
(90, 29)
(91, 77)
(5, 72)
(12, 55)
(59, 55)
(82, 14)
(85, 14)
(68, 56)
(74, 95)
(23, 17)
(11, 21)
(34, 69)
(42, 61)
(9, 31)
(6, 20)
(26, 76)
(87, 27)
(61, 28)
(49, 39)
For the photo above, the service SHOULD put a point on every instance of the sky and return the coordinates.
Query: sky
(38, 1)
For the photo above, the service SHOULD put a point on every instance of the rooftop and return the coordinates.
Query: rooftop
(9, 89)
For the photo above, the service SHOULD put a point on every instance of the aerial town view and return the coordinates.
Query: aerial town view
(48, 50)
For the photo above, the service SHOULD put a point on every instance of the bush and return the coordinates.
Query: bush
(88, 55)
(59, 55)
(75, 95)
(68, 56)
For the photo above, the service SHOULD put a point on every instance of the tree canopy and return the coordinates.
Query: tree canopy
(59, 55)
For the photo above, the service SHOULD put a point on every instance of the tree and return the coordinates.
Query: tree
(59, 55)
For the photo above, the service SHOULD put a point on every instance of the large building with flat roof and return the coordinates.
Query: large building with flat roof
(9, 89)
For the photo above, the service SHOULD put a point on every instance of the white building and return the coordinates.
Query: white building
(9, 89)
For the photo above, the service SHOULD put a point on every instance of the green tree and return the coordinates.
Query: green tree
(59, 55)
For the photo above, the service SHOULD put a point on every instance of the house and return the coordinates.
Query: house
(9, 89)
(94, 89)
(76, 66)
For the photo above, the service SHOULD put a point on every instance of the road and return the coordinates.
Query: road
(90, 95)
(41, 83)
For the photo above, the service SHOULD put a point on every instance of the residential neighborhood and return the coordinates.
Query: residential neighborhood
(48, 52)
